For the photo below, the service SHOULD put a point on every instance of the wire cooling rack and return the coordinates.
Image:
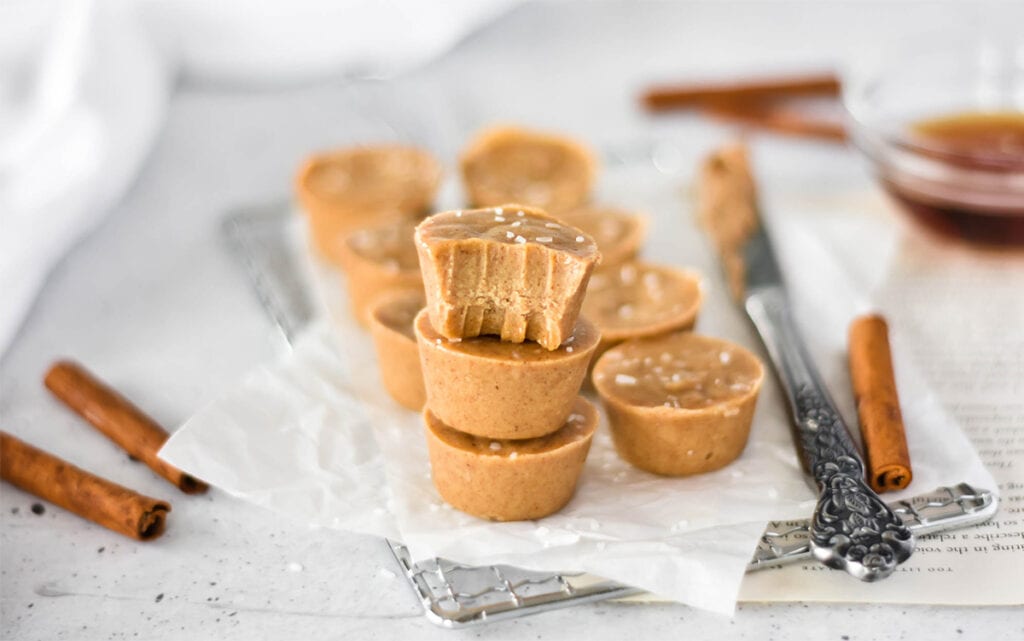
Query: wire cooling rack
(456, 595)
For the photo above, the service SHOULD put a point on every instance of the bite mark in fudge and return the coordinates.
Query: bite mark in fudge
(510, 271)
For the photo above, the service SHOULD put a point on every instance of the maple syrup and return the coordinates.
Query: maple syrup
(974, 187)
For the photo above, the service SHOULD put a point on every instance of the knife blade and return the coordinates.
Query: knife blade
(852, 528)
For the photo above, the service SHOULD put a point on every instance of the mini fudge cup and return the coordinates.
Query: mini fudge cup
(379, 261)
(488, 387)
(618, 233)
(398, 356)
(506, 480)
(509, 164)
(679, 404)
(511, 271)
(639, 300)
(359, 187)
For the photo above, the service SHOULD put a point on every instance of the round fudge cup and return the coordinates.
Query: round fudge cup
(379, 261)
(679, 404)
(505, 480)
(640, 300)
(512, 165)
(488, 387)
(359, 187)
(398, 356)
(512, 271)
(618, 233)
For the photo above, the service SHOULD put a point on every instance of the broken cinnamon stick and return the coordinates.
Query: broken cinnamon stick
(72, 488)
(878, 407)
(120, 421)
(699, 94)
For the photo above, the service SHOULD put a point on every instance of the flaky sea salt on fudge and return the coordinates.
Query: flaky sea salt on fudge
(510, 271)
(509, 164)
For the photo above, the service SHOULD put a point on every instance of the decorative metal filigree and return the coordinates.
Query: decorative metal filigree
(852, 528)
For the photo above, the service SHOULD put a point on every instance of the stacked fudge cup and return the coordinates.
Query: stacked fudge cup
(504, 353)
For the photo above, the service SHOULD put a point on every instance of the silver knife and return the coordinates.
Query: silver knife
(852, 528)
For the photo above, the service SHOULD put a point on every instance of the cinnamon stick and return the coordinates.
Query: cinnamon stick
(878, 407)
(699, 94)
(120, 421)
(72, 488)
(776, 118)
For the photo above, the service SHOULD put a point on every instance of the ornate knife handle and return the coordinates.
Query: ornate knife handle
(852, 528)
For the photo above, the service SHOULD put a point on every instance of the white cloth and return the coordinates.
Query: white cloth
(84, 85)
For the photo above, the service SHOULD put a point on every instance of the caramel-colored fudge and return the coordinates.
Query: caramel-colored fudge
(679, 404)
(511, 165)
(379, 261)
(638, 300)
(398, 356)
(361, 187)
(507, 480)
(618, 234)
(492, 388)
(509, 271)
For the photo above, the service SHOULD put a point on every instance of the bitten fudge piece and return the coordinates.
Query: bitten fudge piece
(510, 271)
(507, 164)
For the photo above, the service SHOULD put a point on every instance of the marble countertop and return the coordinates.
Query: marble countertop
(153, 302)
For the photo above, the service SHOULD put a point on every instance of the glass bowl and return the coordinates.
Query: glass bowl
(975, 193)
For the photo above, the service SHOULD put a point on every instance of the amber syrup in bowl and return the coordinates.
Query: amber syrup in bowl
(978, 192)
(944, 133)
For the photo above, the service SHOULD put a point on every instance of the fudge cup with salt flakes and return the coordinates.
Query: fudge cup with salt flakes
(367, 186)
(679, 404)
(640, 300)
(510, 480)
(510, 271)
(495, 389)
(379, 261)
(398, 356)
(619, 234)
(511, 164)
